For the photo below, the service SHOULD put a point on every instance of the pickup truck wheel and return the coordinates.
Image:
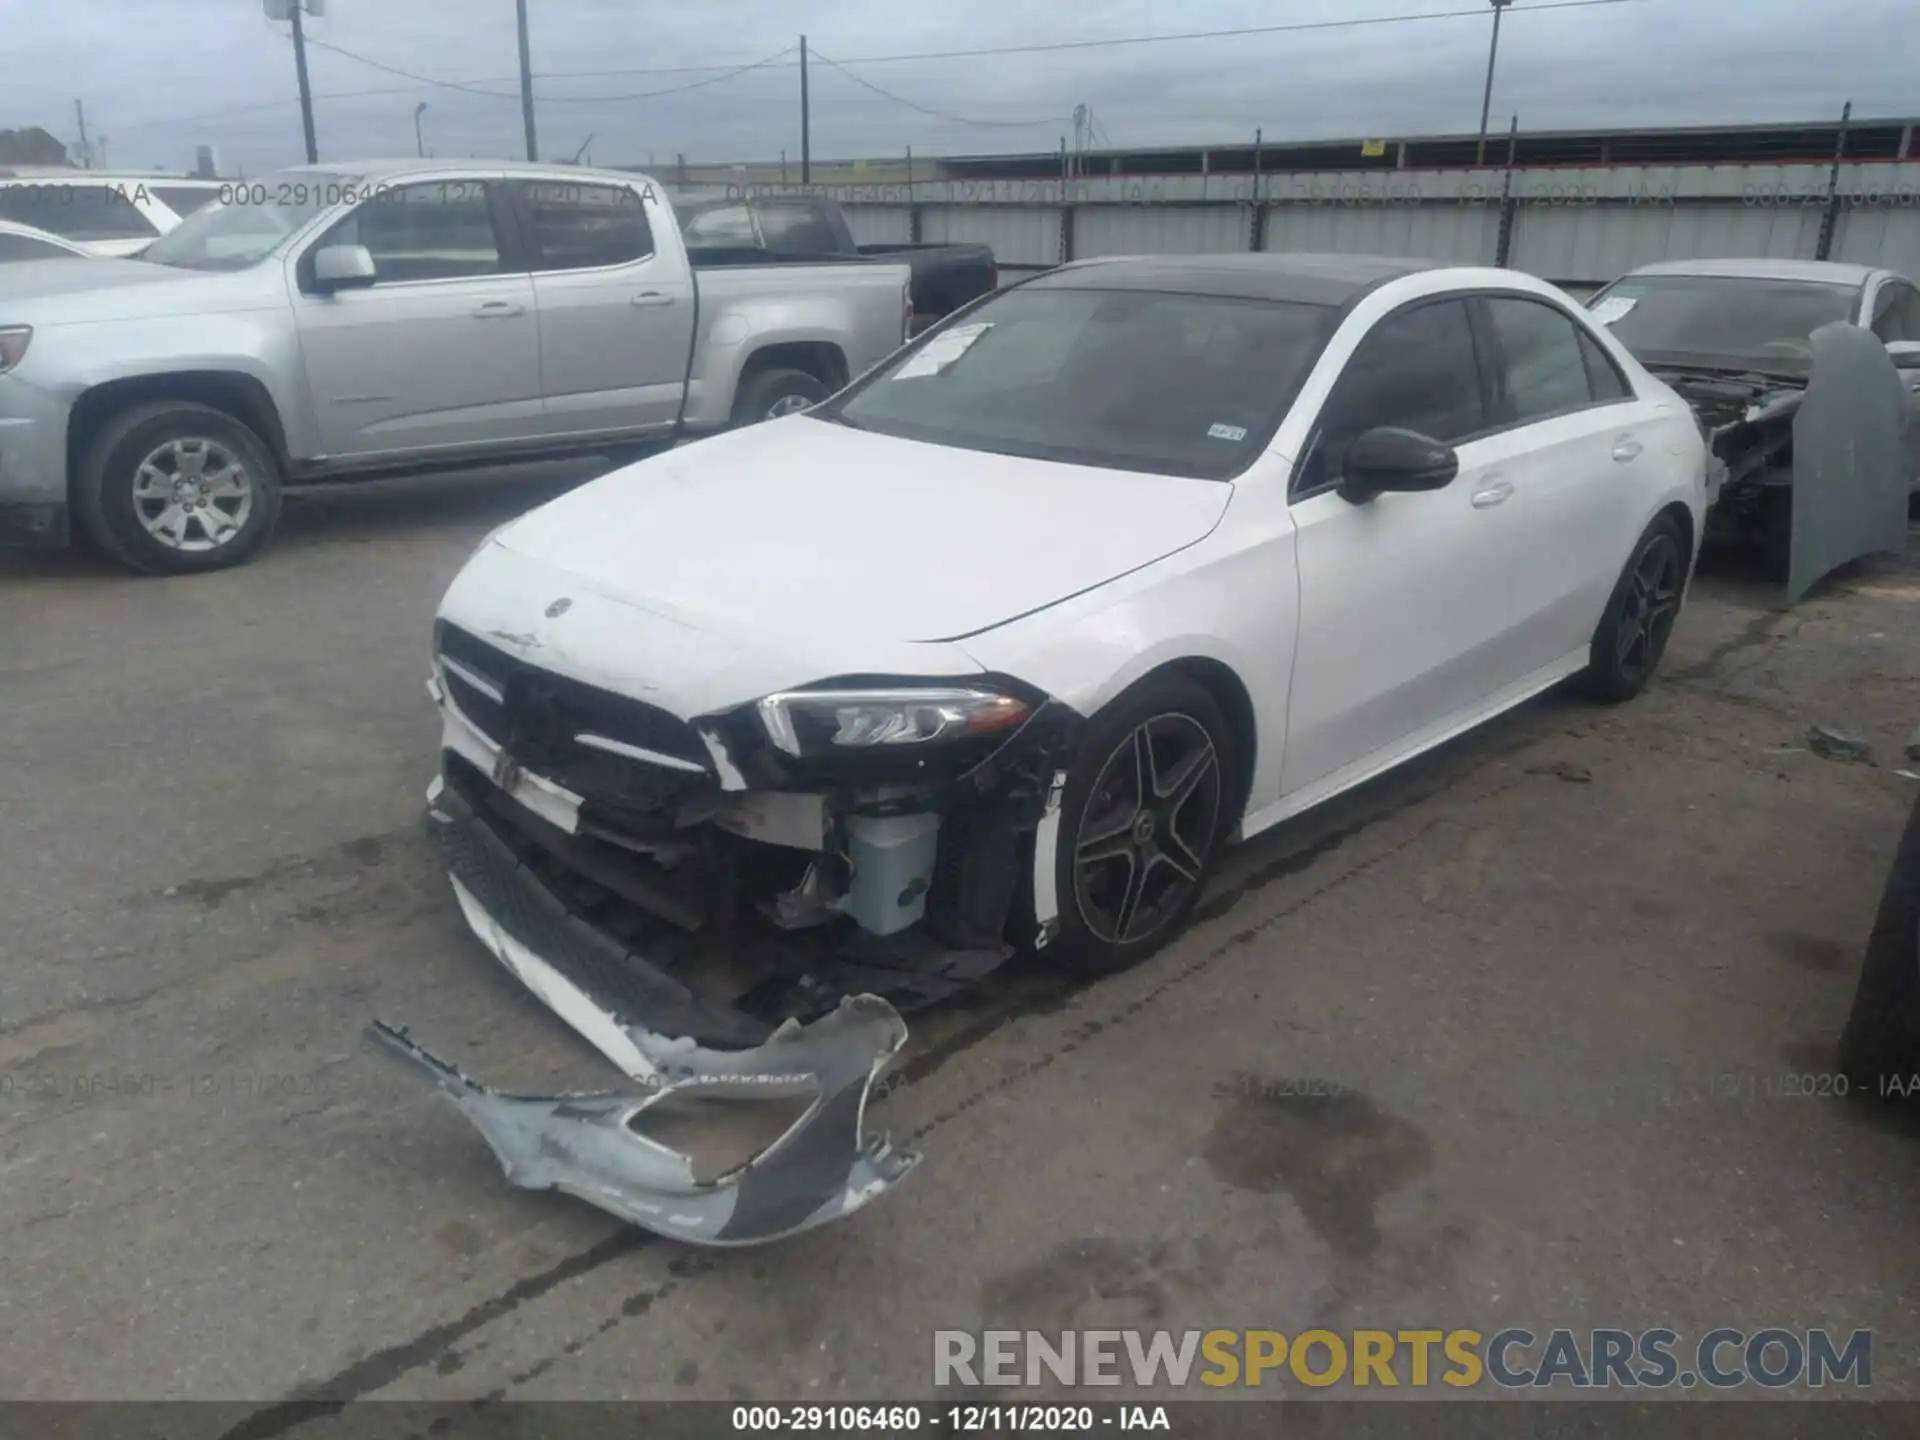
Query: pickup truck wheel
(773, 393)
(176, 488)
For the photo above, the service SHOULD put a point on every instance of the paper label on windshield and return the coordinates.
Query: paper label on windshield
(941, 351)
(1612, 308)
(1217, 431)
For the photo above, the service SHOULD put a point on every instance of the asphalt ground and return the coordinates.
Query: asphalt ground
(1543, 988)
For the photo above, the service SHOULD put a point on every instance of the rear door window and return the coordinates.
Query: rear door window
(26, 247)
(77, 210)
(1540, 370)
(584, 227)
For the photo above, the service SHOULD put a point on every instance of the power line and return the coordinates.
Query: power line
(937, 114)
(467, 86)
(477, 87)
(771, 60)
(471, 87)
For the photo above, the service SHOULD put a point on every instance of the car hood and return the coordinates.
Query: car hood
(799, 525)
(55, 292)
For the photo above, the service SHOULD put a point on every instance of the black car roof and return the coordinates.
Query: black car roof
(1302, 279)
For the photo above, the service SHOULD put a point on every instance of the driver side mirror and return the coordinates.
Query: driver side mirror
(343, 267)
(1387, 458)
(1905, 353)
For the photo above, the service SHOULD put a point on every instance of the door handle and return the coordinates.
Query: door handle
(498, 310)
(1491, 494)
(1626, 448)
(651, 297)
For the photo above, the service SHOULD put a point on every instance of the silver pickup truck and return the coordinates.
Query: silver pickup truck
(343, 321)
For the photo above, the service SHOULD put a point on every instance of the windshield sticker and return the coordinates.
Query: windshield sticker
(1226, 432)
(941, 351)
(1613, 308)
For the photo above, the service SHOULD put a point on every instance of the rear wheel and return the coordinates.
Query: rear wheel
(774, 393)
(1633, 630)
(1142, 820)
(177, 488)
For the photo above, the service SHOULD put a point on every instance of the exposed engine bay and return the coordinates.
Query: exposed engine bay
(1815, 468)
(728, 911)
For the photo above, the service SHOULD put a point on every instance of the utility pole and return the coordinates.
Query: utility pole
(1486, 98)
(419, 140)
(306, 90)
(526, 81)
(86, 150)
(806, 132)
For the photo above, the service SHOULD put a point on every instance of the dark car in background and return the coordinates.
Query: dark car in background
(737, 229)
(1880, 1048)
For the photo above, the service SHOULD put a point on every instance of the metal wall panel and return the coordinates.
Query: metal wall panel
(1158, 230)
(1601, 242)
(1021, 235)
(1458, 234)
(878, 224)
(1880, 236)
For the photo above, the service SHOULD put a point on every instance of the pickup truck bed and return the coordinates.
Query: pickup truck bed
(802, 228)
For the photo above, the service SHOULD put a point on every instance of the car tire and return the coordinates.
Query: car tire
(1122, 847)
(1881, 1041)
(1634, 628)
(177, 488)
(773, 393)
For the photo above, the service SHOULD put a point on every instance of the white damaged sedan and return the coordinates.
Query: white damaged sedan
(996, 649)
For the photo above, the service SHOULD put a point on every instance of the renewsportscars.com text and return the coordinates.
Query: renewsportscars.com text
(1512, 1359)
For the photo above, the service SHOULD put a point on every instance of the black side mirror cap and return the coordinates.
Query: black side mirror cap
(1388, 458)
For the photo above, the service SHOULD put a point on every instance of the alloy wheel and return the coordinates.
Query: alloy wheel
(788, 405)
(1652, 601)
(1148, 830)
(192, 494)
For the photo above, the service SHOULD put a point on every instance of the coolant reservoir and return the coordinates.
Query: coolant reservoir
(892, 868)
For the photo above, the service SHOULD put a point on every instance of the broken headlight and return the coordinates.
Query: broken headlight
(825, 722)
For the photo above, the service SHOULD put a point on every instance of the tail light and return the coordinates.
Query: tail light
(993, 277)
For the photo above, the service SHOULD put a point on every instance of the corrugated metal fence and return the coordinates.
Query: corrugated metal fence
(1577, 226)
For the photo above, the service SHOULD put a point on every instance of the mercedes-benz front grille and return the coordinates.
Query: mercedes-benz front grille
(606, 747)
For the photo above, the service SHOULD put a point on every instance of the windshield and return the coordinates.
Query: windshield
(1723, 321)
(1190, 385)
(248, 220)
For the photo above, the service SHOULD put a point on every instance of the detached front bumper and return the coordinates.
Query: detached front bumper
(821, 1167)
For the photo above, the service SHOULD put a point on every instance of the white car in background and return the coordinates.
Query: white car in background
(24, 242)
(105, 214)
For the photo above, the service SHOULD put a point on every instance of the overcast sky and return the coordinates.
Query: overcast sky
(162, 76)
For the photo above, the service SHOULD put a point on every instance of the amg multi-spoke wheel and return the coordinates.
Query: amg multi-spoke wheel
(1633, 632)
(1143, 815)
(175, 487)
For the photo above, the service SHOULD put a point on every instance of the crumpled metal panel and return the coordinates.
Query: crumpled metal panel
(1850, 462)
(821, 1168)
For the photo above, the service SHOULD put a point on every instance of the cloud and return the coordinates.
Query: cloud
(162, 76)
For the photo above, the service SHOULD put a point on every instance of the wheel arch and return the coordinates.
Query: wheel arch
(242, 396)
(1227, 690)
(1682, 515)
(822, 359)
